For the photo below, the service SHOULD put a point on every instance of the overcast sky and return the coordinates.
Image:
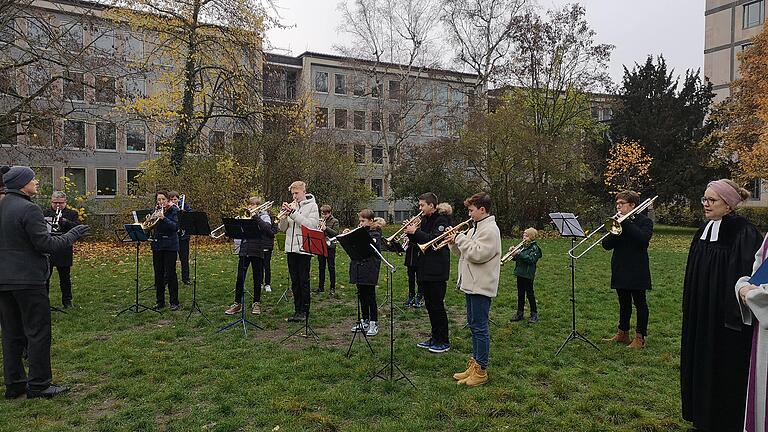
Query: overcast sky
(674, 28)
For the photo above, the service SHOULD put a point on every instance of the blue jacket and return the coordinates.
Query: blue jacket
(165, 234)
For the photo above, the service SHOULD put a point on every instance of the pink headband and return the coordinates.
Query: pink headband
(726, 192)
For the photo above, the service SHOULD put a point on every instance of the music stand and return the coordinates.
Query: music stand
(568, 226)
(137, 236)
(397, 248)
(356, 244)
(195, 223)
(241, 229)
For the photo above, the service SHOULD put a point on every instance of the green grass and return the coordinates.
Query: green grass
(159, 372)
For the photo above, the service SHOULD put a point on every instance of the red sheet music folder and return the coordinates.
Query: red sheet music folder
(314, 241)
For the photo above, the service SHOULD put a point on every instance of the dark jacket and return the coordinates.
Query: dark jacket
(69, 219)
(24, 243)
(183, 236)
(332, 228)
(366, 272)
(630, 268)
(166, 233)
(525, 261)
(433, 265)
(265, 240)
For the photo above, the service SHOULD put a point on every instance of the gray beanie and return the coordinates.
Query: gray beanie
(17, 177)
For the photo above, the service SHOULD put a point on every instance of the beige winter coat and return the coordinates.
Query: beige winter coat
(479, 252)
(306, 215)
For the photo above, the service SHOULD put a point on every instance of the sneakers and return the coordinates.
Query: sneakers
(175, 307)
(236, 308)
(439, 348)
(518, 317)
(361, 326)
(534, 318)
(418, 301)
(333, 292)
(409, 302)
(319, 291)
(267, 288)
(373, 329)
(51, 391)
(159, 306)
(256, 308)
(427, 344)
(187, 282)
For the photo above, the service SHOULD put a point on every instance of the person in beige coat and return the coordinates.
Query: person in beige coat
(479, 252)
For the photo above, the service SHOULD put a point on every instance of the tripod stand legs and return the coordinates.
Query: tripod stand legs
(242, 319)
(308, 331)
(195, 306)
(137, 307)
(361, 330)
(575, 335)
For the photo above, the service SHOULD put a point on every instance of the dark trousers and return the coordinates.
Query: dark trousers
(478, 309)
(525, 288)
(65, 282)
(257, 264)
(366, 294)
(268, 267)
(25, 317)
(412, 283)
(298, 269)
(331, 260)
(434, 299)
(184, 259)
(626, 298)
(164, 263)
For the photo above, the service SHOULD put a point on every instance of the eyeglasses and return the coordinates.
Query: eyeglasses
(711, 201)
(621, 203)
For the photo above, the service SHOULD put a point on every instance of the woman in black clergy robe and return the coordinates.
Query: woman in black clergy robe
(715, 345)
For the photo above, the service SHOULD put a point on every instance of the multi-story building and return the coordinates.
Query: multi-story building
(730, 26)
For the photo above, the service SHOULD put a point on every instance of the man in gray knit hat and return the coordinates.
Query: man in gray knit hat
(25, 313)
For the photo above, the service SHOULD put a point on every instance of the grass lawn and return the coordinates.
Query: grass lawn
(153, 371)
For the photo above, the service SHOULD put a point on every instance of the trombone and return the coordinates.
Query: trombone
(611, 226)
(509, 255)
(219, 232)
(400, 236)
(441, 240)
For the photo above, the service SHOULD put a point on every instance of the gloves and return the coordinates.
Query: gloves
(80, 231)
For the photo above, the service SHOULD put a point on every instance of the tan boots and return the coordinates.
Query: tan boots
(639, 342)
(473, 376)
(621, 336)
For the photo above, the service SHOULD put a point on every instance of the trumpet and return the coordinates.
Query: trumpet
(55, 221)
(249, 213)
(400, 236)
(284, 213)
(512, 252)
(442, 240)
(611, 226)
(151, 219)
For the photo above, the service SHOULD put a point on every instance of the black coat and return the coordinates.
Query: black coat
(256, 246)
(24, 243)
(69, 219)
(166, 233)
(433, 265)
(366, 272)
(630, 268)
(183, 236)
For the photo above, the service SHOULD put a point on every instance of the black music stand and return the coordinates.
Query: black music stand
(195, 223)
(137, 236)
(397, 248)
(568, 226)
(241, 229)
(140, 216)
(356, 244)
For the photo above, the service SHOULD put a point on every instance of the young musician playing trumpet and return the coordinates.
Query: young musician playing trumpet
(365, 274)
(330, 226)
(479, 252)
(165, 247)
(525, 257)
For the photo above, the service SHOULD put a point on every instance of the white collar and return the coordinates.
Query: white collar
(713, 229)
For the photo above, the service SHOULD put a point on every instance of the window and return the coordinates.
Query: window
(8, 133)
(39, 80)
(341, 148)
(457, 97)
(238, 137)
(754, 14)
(104, 41)
(377, 185)
(426, 126)
(134, 46)
(45, 176)
(321, 82)
(394, 123)
(321, 117)
(340, 86)
(377, 90)
(376, 121)
(38, 34)
(135, 88)
(72, 37)
(216, 142)
(106, 182)
(756, 188)
(377, 155)
(135, 137)
(442, 95)
(359, 120)
(442, 127)
(427, 94)
(7, 84)
(106, 138)
(76, 176)
(359, 89)
(340, 118)
(40, 132)
(132, 181)
(74, 134)
(746, 45)
(8, 32)
(394, 89)
(105, 89)
(359, 153)
(74, 88)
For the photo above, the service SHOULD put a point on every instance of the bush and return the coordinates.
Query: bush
(676, 214)
(756, 215)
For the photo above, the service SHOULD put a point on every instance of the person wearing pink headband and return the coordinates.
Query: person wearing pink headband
(715, 343)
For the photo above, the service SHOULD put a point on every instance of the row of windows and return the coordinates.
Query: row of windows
(428, 126)
(106, 180)
(359, 87)
(754, 14)
(41, 133)
(73, 85)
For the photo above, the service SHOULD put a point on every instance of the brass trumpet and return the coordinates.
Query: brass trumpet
(284, 213)
(509, 255)
(151, 219)
(55, 221)
(441, 240)
(249, 213)
(400, 236)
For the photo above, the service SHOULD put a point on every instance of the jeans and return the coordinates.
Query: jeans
(367, 296)
(164, 263)
(298, 269)
(478, 308)
(434, 299)
(331, 260)
(626, 298)
(25, 317)
(257, 264)
(525, 287)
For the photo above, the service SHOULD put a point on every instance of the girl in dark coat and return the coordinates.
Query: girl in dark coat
(365, 273)
(715, 344)
(165, 247)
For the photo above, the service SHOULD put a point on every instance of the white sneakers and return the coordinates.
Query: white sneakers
(373, 329)
(361, 326)
(267, 288)
(370, 328)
